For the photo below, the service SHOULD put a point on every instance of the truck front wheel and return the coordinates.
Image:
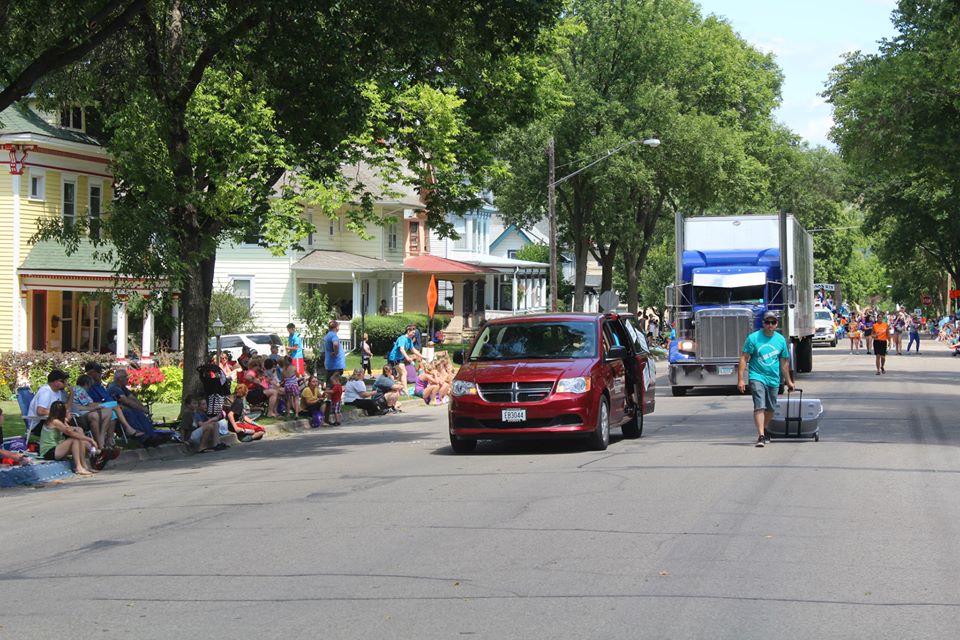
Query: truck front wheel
(805, 355)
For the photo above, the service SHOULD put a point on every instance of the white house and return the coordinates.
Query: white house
(356, 274)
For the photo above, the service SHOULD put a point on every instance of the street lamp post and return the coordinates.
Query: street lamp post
(552, 183)
(218, 331)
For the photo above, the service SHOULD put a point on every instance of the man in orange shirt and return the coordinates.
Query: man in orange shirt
(881, 335)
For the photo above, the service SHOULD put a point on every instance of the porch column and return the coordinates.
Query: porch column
(22, 336)
(122, 327)
(543, 292)
(146, 345)
(20, 328)
(488, 292)
(357, 297)
(513, 302)
(175, 312)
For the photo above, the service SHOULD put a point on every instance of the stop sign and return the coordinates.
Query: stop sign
(926, 300)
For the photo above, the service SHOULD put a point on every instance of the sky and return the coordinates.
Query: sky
(807, 38)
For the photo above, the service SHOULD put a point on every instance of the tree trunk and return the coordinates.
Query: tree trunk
(607, 257)
(633, 280)
(581, 251)
(197, 290)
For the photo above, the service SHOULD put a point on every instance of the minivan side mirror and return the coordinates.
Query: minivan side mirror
(458, 357)
(618, 352)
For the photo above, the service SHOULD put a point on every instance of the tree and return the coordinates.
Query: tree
(631, 70)
(206, 105)
(42, 37)
(316, 312)
(896, 124)
(235, 313)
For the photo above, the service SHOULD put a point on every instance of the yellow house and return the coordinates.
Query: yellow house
(50, 301)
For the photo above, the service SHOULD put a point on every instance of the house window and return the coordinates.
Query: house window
(512, 254)
(69, 202)
(310, 233)
(414, 237)
(71, 118)
(96, 196)
(333, 227)
(243, 289)
(37, 186)
(444, 295)
(392, 236)
(394, 296)
(461, 228)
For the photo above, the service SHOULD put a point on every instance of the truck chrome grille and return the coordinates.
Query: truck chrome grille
(720, 333)
(515, 391)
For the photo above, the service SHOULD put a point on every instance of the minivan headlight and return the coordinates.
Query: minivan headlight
(463, 388)
(573, 385)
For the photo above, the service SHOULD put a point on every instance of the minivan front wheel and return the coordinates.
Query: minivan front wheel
(600, 438)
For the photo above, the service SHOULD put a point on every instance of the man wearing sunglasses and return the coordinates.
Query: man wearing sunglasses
(764, 360)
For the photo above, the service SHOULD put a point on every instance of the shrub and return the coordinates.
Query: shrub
(384, 330)
(32, 367)
(171, 389)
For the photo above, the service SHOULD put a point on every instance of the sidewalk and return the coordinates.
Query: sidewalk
(48, 471)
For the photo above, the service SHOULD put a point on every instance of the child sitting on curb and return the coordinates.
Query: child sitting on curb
(59, 440)
(205, 436)
(246, 431)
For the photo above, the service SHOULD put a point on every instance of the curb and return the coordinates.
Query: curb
(178, 451)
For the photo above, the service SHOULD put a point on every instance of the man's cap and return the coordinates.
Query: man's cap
(93, 365)
(770, 315)
(57, 374)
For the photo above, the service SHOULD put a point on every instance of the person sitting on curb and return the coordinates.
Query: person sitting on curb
(355, 394)
(92, 415)
(12, 457)
(133, 410)
(246, 431)
(312, 401)
(205, 436)
(389, 388)
(98, 393)
(261, 391)
(45, 397)
(59, 440)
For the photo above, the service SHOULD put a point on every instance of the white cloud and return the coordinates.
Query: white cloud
(815, 130)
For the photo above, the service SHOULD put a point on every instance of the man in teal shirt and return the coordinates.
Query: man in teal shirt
(765, 358)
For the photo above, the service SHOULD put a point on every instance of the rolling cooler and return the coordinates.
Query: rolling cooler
(796, 418)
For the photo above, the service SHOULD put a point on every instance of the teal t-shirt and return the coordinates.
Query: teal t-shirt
(765, 354)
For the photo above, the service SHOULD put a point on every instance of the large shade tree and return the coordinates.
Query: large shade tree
(897, 117)
(632, 70)
(206, 104)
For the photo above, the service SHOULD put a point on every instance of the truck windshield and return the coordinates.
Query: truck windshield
(525, 340)
(724, 295)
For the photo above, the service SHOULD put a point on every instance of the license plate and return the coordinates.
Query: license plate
(514, 415)
(724, 371)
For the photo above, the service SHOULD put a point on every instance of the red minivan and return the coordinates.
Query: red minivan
(553, 375)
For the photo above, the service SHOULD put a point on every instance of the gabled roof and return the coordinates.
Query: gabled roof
(533, 236)
(436, 264)
(326, 260)
(20, 119)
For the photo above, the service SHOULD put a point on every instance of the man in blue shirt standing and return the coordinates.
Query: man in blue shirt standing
(334, 359)
(765, 358)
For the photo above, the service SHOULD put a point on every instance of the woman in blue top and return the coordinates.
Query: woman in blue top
(403, 353)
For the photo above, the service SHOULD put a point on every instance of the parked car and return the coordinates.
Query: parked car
(550, 376)
(234, 343)
(825, 328)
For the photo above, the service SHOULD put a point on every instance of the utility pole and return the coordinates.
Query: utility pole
(552, 214)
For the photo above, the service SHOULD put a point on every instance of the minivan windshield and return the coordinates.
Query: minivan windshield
(538, 340)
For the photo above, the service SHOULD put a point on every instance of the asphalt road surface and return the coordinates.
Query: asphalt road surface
(376, 530)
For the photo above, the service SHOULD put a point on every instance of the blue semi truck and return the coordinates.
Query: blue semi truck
(730, 271)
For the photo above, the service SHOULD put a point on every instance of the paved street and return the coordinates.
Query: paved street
(376, 530)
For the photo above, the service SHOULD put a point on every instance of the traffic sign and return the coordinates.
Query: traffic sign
(926, 300)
